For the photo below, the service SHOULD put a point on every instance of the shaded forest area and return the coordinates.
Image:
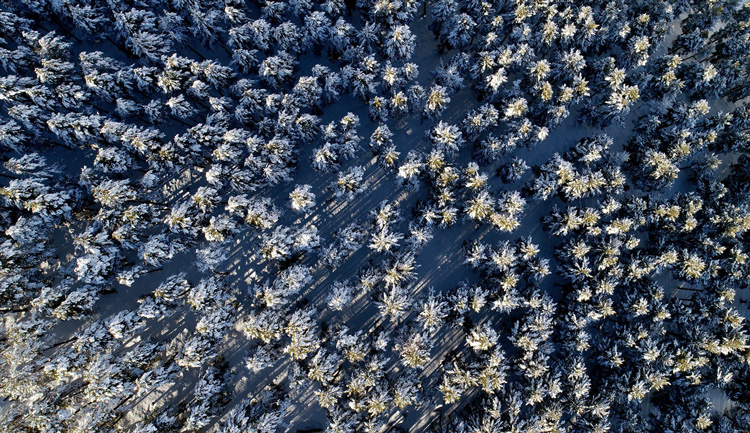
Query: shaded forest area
(374, 216)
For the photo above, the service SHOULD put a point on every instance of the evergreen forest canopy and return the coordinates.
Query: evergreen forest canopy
(374, 216)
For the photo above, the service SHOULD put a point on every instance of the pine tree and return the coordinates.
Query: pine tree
(460, 31)
(437, 101)
(340, 295)
(400, 43)
(278, 70)
(301, 198)
(482, 337)
(414, 349)
(349, 183)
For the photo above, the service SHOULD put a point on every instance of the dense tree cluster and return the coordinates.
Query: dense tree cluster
(545, 228)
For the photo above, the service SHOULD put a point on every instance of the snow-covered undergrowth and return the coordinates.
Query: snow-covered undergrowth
(371, 216)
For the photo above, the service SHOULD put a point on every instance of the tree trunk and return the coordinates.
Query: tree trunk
(60, 343)
(202, 57)
(14, 310)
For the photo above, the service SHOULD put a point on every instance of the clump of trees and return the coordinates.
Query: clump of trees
(154, 278)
